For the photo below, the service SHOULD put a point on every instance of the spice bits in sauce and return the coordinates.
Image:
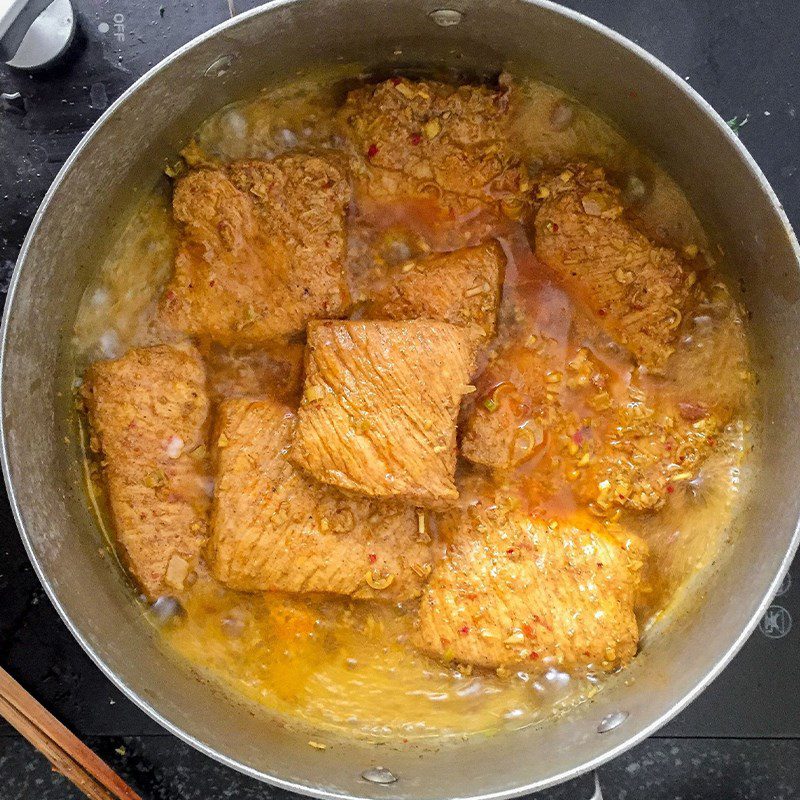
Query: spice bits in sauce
(422, 402)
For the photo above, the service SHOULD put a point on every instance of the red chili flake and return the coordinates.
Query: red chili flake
(554, 227)
(170, 295)
(621, 496)
(464, 631)
(527, 630)
(601, 312)
(416, 138)
(577, 437)
(534, 656)
(372, 558)
(395, 81)
(471, 596)
(670, 488)
(211, 283)
(600, 564)
(711, 441)
(693, 411)
(510, 550)
(372, 151)
(633, 93)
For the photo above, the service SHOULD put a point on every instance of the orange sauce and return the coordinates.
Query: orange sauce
(348, 667)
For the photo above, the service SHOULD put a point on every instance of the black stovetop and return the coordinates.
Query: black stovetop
(740, 739)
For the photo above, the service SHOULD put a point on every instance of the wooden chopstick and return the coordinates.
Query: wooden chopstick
(68, 754)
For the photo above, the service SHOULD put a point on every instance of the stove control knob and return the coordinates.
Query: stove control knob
(34, 33)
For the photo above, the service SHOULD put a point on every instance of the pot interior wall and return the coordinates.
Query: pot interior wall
(121, 162)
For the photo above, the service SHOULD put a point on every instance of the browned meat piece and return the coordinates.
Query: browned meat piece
(709, 373)
(261, 249)
(148, 412)
(273, 371)
(640, 448)
(275, 529)
(515, 407)
(615, 445)
(379, 407)
(633, 455)
(511, 589)
(427, 139)
(637, 289)
(625, 446)
(462, 287)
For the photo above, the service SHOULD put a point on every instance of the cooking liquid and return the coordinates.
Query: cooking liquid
(344, 666)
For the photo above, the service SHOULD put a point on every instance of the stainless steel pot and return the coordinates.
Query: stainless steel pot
(120, 159)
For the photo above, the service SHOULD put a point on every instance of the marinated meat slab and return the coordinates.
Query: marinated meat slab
(709, 373)
(148, 414)
(637, 290)
(423, 139)
(261, 249)
(618, 446)
(462, 287)
(275, 529)
(508, 423)
(379, 408)
(627, 446)
(511, 590)
(634, 455)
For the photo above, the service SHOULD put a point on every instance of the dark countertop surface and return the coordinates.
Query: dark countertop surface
(740, 739)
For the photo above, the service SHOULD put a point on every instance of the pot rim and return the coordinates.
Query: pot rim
(566, 775)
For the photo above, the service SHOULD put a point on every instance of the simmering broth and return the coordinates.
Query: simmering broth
(349, 666)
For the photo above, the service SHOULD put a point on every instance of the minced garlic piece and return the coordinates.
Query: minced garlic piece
(379, 582)
(177, 572)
